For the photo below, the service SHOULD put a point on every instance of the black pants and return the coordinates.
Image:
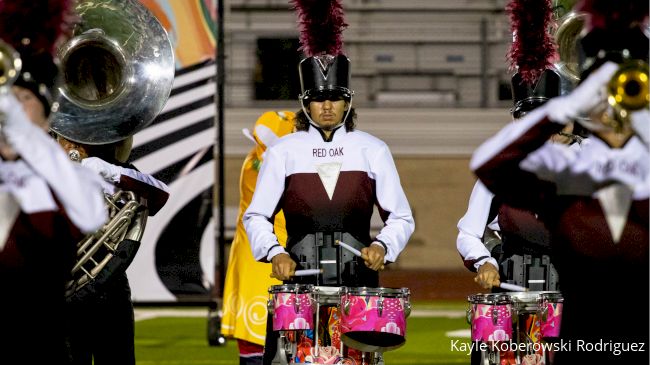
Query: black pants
(32, 304)
(32, 321)
(102, 326)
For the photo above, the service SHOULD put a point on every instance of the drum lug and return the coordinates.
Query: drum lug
(270, 306)
(495, 315)
(346, 306)
(296, 302)
(407, 308)
(380, 305)
(543, 313)
(543, 309)
(468, 315)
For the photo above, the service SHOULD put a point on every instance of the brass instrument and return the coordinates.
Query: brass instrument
(567, 35)
(118, 70)
(96, 251)
(628, 88)
(628, 91)
(10, 65)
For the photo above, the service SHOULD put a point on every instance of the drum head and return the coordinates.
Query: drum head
(378, 292)
(530, 296)
(553, 296)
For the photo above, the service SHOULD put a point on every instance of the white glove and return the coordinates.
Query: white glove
(14, 121)
(109, 172)
(584, 98)
(641, 124)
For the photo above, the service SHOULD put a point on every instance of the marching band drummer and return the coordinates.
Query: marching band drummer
(48, 203)
(327, 176)
(489, 230)
(595, 200)
(107, 304)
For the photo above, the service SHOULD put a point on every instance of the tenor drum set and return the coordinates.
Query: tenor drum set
(515, 328)
(337, 325)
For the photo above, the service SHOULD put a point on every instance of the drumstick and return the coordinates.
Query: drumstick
(349, 248)
(353, 250)
(308, 272)
(512, 287)
(305, 272)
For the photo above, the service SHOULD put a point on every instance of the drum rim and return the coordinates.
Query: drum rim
(291, 288)
(531, 296)
(383, 291)
(489, 298)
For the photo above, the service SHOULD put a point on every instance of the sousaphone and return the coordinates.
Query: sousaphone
(117, 73)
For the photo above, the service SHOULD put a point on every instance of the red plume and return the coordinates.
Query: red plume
(321, 25)
(34, 25)
(614, 14)
(533, 48)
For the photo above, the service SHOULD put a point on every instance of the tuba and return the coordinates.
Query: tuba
(567, 35)
(117, 74)
(117, 71)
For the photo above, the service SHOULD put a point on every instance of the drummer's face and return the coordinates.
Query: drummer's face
(327, 113)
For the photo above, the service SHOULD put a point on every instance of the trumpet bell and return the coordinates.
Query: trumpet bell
(117, 68)
(628, 88)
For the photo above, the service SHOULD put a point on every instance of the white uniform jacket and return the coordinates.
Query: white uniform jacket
(328, 186)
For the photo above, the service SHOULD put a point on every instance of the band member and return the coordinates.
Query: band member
(491, 231)
(503, 243)
(594, 201)
(47, 203)
(105, 302)
(327, 176)
(247, 281)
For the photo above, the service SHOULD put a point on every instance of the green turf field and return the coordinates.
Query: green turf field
(183, 340)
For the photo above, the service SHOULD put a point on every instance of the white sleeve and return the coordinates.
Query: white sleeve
(257, 218)
(472, 226)
(144, 178)
(78, 190)
(549, 161)
(399, 224)
(507, 136)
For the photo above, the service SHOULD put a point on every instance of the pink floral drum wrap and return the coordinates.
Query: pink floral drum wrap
(291, 305)
(374, 319)
(491, 317)
(551, 317)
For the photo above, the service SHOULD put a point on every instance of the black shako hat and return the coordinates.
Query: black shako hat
(325, 75)
(527, 97)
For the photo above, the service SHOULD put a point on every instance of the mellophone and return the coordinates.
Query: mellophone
(518, 317)
(358, 321)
